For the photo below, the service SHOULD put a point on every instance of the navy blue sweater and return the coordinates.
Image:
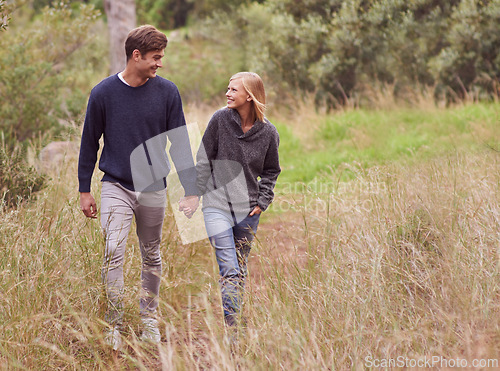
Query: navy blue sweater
(134, 123)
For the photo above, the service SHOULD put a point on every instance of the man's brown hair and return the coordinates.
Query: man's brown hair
(145, 38)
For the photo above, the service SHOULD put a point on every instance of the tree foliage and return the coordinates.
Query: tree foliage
(18, 180)
(4, 16)
(165, 14)
(35, 78)
(46, 69)
(337, 49)
(171, 14)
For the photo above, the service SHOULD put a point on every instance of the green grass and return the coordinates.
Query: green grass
(380, 137)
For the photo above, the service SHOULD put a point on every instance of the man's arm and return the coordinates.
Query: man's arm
(92, 132)
(180, 152)
(205, 155)
(180, 149)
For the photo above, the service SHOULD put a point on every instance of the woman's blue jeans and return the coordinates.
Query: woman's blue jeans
(231, 238)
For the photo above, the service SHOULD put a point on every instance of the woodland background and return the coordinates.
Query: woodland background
(329, 53)
(383, 239)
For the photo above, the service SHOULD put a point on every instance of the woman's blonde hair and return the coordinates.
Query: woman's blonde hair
(254, 86)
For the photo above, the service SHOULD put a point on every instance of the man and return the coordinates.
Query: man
(134, 111)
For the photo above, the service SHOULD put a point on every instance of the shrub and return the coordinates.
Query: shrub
(339, 49)
(4, 16)
(46, 72)
(35, 69)
(18, 180)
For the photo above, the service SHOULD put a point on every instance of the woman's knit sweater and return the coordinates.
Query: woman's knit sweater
(237, 171)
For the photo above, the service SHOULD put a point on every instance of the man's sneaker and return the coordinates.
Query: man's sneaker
(150, 331)
(113, 338)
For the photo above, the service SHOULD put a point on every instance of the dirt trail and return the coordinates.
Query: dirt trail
(280, 240)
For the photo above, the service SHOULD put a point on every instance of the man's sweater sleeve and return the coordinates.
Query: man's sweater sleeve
(93, 128)
(180, 149)
(206, 153)
(269, 174)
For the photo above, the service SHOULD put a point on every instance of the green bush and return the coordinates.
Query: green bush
(49, 63)
(165, 14)
(338, 50)
(200, 70)
(38, 85)
(468, 66)
(4, 16)
(18, 180)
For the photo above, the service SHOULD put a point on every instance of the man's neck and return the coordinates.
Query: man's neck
(132, 78)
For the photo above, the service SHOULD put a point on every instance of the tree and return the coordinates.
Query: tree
(121, 19)
(164, 14)
(34, 71)
(340, 50)
(38, 88)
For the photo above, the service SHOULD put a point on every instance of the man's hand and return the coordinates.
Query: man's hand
(188, 205)
(88, 205)
(256, 210)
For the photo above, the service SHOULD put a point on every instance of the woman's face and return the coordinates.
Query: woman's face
(236, 94)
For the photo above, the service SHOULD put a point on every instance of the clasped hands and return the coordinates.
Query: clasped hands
(188, 205)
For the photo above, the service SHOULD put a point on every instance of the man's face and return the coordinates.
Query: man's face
(148, 63)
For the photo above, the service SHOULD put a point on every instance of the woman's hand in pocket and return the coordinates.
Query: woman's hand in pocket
(256, 211)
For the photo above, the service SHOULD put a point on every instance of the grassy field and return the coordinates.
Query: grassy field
(382, 246)
(313, 144)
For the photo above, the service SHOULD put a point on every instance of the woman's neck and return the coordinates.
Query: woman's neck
(247, 119)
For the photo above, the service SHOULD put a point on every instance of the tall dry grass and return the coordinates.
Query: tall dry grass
(401, 261)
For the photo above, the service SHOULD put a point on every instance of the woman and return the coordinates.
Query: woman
(237, 166)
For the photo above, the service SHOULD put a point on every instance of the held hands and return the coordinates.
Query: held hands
(88, 205)
(188, 205)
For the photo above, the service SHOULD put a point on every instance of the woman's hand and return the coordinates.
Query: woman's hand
(188, 205)
(256, 210)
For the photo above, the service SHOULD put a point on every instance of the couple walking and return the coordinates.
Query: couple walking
(134, 112)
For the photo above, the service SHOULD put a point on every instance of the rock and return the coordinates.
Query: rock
(53, 156)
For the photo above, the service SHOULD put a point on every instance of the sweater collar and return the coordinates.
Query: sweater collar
(148, 82)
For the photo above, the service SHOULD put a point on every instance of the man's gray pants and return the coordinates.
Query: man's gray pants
(118, 208)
